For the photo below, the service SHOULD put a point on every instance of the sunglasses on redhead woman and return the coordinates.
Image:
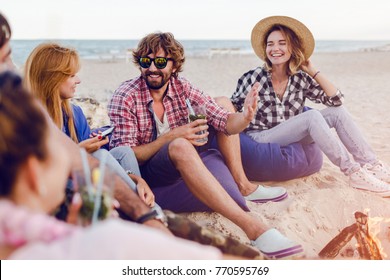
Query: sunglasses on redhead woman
(159, 62)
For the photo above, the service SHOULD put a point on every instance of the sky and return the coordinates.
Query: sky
(192, 19)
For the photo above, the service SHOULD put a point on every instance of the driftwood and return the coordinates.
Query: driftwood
(185, 228)
(367, 247)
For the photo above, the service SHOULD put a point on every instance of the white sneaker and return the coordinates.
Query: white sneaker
(275, 245)
(363, 180)
(379, 171)
(264, 194)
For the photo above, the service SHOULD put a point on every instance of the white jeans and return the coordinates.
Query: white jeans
(313, 125)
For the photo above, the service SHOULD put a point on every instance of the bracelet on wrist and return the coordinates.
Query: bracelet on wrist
(314, 76)
(153, 214)
(146, 217)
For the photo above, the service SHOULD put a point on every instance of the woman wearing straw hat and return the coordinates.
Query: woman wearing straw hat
(287, 78)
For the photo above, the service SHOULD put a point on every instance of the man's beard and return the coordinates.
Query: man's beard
(156, 84)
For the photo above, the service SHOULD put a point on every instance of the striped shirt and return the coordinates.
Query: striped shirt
(130, 110)
(272, 111)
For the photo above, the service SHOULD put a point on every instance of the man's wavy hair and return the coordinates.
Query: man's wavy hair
(153, 42)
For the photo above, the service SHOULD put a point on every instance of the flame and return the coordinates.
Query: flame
(366, 231)
(375, 224)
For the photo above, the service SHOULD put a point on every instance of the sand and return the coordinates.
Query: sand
(321, 205)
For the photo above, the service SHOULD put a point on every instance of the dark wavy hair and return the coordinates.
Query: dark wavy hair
(23, 129)
(5, 31)
(153, 42)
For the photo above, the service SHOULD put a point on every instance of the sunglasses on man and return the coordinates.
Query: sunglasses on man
(159, 62)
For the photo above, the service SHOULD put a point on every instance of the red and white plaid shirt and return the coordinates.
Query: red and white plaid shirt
(130, 110)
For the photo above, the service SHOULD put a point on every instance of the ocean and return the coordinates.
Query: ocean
(97, 49)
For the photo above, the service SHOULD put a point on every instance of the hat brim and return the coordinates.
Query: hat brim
(263, 26)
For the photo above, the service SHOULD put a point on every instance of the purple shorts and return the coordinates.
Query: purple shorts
(171, 191)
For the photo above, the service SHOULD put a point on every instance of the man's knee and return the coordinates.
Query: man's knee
(181, 149)
(225, 102)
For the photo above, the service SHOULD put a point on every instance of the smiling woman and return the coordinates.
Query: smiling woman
(287, 79)
(50, 74)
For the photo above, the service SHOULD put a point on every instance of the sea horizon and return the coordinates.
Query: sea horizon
(96, 49)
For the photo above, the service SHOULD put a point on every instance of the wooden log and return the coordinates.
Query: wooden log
(332, 249)
(367, 247)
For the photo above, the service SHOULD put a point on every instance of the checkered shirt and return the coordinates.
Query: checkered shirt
(271, 111)
(130, 110)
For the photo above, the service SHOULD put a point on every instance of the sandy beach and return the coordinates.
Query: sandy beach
(319, 206)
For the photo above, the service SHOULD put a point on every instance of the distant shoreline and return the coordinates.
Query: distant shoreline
(118, 49)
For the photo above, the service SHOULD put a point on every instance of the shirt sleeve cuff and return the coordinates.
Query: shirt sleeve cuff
(338, 98)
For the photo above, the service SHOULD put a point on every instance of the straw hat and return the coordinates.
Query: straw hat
(262, 27)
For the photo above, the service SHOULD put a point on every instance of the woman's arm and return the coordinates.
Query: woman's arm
(329, 89)
(237, 122)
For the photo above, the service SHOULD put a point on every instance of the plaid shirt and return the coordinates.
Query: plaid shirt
(272, 111)
(130, 110)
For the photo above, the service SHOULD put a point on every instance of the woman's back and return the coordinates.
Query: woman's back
(116, 239)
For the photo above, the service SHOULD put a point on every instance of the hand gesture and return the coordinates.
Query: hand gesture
(250, 103)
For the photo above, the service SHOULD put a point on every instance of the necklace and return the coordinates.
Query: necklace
(279, 88)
